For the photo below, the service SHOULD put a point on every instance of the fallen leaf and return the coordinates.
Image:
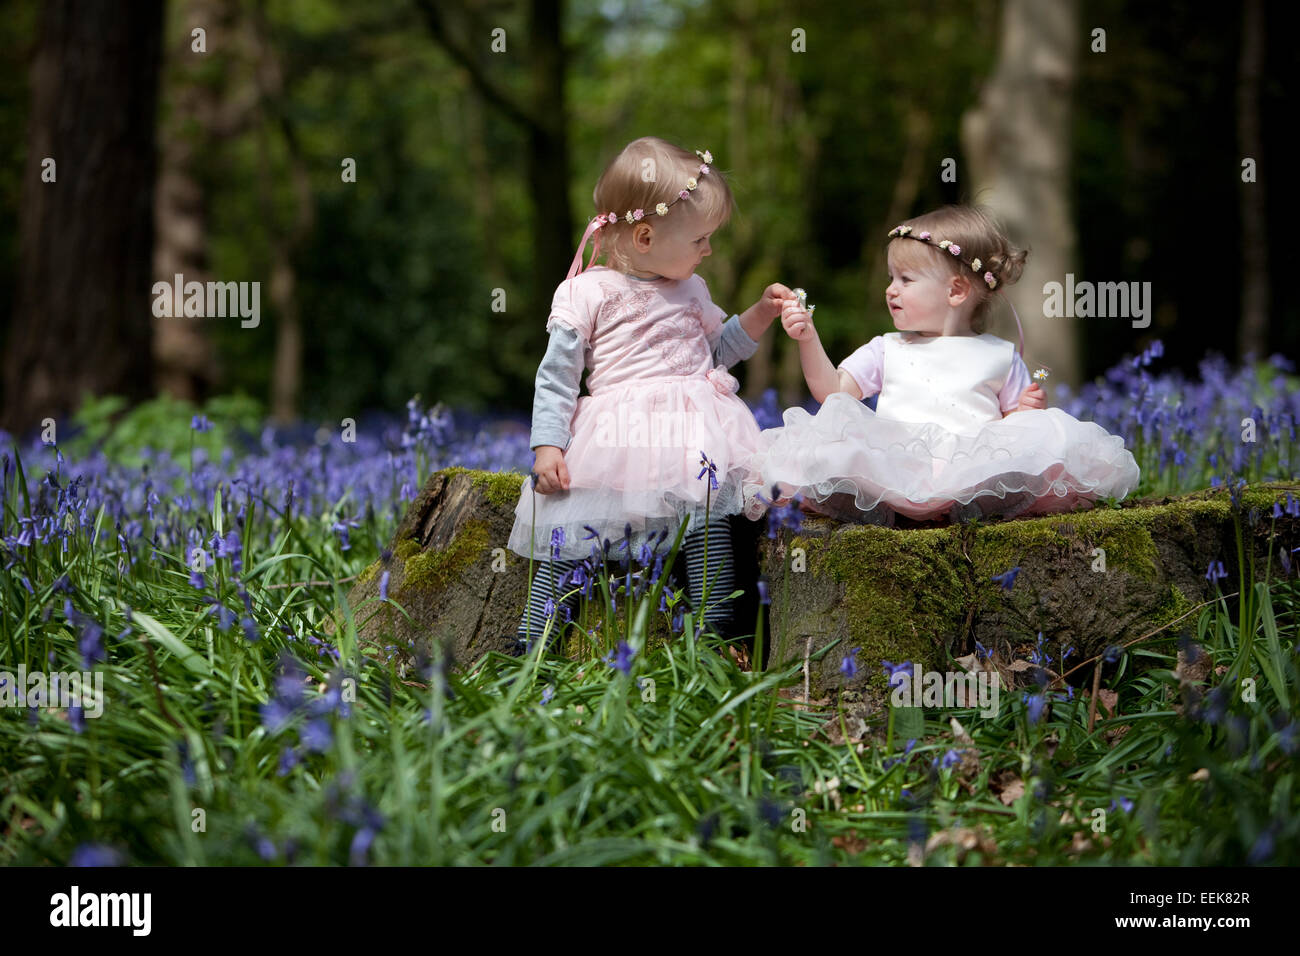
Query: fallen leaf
(1201, 775)
(850, 842)
(1008, 787)
(1108, 699)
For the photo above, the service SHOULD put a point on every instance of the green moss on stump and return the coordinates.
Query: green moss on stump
(369, 573)
(500, 488)
(436, 569)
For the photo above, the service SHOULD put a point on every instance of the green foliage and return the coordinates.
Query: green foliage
(296, 750)
(163, 424)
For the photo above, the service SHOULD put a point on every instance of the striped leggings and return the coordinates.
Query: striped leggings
(547, 589)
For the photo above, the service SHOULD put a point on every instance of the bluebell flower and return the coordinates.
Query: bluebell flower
(77, 718)
(547, 693)
(557, 542)
(316, 735)
(950, 758)
(983, 651)
(849, 664)
(1124, 802)
(892, 670)
(359, 851)
(1007, 579)
(1264, 846)
(96, 854)
(621, 657)
(200, 423)
(769, 812)
(1035, 703)
(710, 469)
(1112, 653)
(763, 597)
(383, 586)
(1216, 572)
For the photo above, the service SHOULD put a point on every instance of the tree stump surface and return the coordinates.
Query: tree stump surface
(1088, 579)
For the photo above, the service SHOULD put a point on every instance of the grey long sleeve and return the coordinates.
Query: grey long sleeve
(734, 344)
(559, 378)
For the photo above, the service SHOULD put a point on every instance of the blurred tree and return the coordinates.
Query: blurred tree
(81, 319)
(1252, 334)
(541, 112)
(197, 110)
(1017, 141)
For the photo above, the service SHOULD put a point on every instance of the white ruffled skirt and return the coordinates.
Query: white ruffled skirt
(1031, 462)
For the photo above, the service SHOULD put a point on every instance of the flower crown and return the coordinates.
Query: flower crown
(905, 232)
(636, 215)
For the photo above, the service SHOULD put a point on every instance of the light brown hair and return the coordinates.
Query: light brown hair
(974, 229)
(647, 172)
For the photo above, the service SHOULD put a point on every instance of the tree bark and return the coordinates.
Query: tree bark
(82, 315)
(1252, 335)
(1017, 143)
(185, 363)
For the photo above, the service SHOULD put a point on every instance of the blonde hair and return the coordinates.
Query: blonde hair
(647, 172)
(974, 229)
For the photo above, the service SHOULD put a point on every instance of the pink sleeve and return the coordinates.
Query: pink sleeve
(867, 366)
(1017, 382)
(711, 316)
(571, 307)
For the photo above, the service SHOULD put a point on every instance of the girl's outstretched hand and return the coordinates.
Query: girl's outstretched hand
(1032, 397)
(774, 299)
(796, 321)
(552, 474)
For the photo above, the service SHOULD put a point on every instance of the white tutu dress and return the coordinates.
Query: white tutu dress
(937, 444)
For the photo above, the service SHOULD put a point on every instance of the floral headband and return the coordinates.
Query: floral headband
(905, 232)
(634, 215)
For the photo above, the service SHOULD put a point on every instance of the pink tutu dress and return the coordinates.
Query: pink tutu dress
(656, 402)
(937, 445)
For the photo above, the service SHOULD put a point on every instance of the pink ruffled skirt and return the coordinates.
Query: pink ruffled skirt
(634, 459)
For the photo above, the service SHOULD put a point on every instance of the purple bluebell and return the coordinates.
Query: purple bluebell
(711, 469)
(1007, 579)
(893, 670)
(849, 664)
(96, 854)
(316, 735)
(1216, 572)
(1035, 704)
(621, 657)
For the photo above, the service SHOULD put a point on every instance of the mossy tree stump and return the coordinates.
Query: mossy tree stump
(1088, 579)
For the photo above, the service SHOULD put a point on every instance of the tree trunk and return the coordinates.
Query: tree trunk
(1017, 144)
(185, 365)
(1252, 336)
(548, 153)
(82, 315)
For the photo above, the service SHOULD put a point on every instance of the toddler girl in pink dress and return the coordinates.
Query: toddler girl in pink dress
(959, 430)
(624, 462)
